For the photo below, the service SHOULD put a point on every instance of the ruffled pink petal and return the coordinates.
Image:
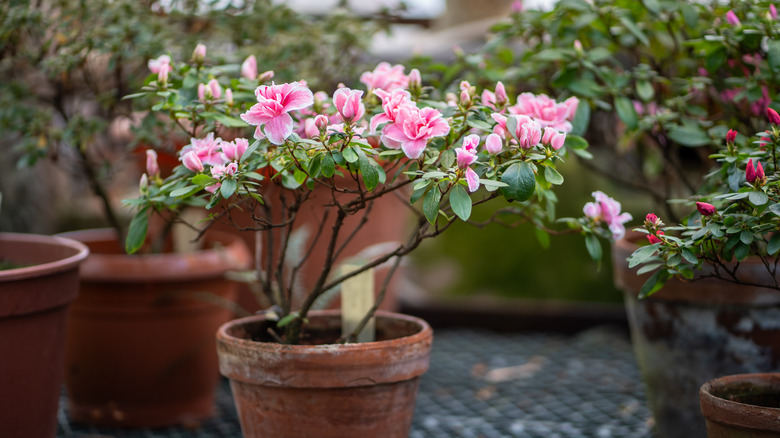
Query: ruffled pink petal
(297, 97)
(279, 128)
(394, 132)
(256, 115)
(414, 148)
(472, 179)
(378, 120)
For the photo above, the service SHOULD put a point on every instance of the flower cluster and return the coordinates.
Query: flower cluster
(737, 218)
(447, 154)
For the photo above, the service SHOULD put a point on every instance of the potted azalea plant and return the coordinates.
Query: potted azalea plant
(710, 283)
(390, 137)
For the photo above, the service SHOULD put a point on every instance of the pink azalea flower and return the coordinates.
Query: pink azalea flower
(310, 129)
(349, 104)
(607, 210)
(199, 54)
(163, 62)
(273, 107)
(234, 150)
(528, 132)
(192, 162)
(391, 102)
(501, 97)
(386, 77)
(467, 154)
(773, 11)
(152, 168)
(731, 136)
(500, 128)
(773, 117)
(493, 144)
(732, 19)
(413, 128)
(207, 150)
(489, 99)
(654, 238)
(546, 111)
(249, 68)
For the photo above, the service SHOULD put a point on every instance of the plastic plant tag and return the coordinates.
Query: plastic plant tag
(357, 297)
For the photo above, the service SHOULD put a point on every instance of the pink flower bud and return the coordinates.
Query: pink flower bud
(578, 46)
(415, 80)
(162, 76)
(202, 92)
(517, 6)
(731, 136)
(321, 122)
(464, 86)
(754, 173)
(465, 99)
(231, 169)
(192, 162)
(229, 96)
(161, 63)
(760, 172)
(152, 168)
(215, 89)
(501, 97)
(558, 140)
(654, 238)
(732, 19)
(706, 209)
(143, 184)
(772, 11)
(249, 68)
(494, 144)
(199, 54)
(349, 104)
(652, 220)
(548, 135)
(267, 76)
(773, 117)
(528, 132)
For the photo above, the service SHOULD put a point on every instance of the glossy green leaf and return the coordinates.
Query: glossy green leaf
(431, 204)
(552, 176)
(228, 188)
(520, 182)
(367, 169)
(758, 198)
(328, 165)
(136, 233)
(689, 135)
(460, 201)
(654, 283)
(625, 110)
(593, 245)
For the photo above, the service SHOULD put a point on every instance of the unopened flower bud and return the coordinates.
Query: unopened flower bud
(651, 220)
(464, 86)
(229, 97)
(752, 173)
(578, 46)
(266, 76)
(321, 122)
(494, 144)
(517, 6)
(152, 168)
(772, 11)
(465, 99)
(706, 209)
(773, 117)
(415, 80)
(199, 54)
(162, 77)
(249, 68)
(144, 183)
(192, 162)
(501, 97)
(202, 92)
(731, 136)
(653, 238)
(215, 89)
(732, 19)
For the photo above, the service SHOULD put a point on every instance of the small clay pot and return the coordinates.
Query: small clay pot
(325, 390)
(34, 301)
(141, 349)
(742, 406)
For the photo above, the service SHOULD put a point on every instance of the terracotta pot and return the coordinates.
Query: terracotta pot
(742, 406)
(691, 332)
(34, 301)
(338, 391)
(141, 348)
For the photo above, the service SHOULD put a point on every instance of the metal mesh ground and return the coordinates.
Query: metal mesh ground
(487, 384)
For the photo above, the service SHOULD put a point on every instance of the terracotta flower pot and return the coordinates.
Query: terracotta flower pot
(742, 406)
(34, 300)
(338, 391)
(141, 348)
(691, 332)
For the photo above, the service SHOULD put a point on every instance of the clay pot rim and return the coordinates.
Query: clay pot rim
(232, 255)
(80, 252)
(425, 332)
(736, 413)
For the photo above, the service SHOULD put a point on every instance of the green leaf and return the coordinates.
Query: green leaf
(431, 204)
(645, 90)
(136, 233)
(774, 54)
(328, 165)
(653, 284)
(593, 245)
(575, 142)
(349, 154)
(203, 180)
(774, 244)
(542, 237)
(447, 158)
(184, 191)
(634, 29)
(552, 176)
(228, 188)
(689, 135)
(746, 236)
(741, 251)
(689, 256)
(249, 151)
(642, 254)
(460, 201)
(511, 126)
(775, 208)
(479, 124)
(520, 181)
(626, 112)
(231, 122)
(581, 120)
(758, 198)
(370, 175)
(288, 319)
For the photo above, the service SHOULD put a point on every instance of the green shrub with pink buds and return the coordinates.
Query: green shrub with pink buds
(389, 136)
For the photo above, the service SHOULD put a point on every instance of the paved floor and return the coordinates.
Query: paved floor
(488, 384)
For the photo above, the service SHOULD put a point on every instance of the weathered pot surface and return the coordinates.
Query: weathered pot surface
(34, 301)
(691, 332)
(352, 390)
(742, 406)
